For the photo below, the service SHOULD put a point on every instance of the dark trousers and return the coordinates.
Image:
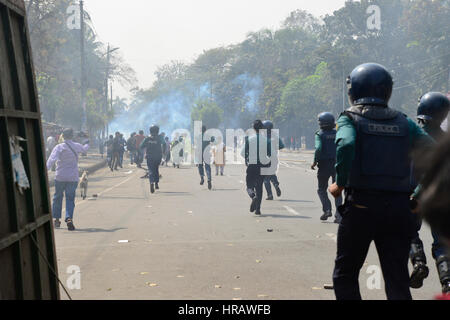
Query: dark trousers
(386, 220)
(325, 172)
(109, 158)
(437, 248)
(270, 179)
(202, 168)
(132, 156)
(139, 157)
(153, 169)
(115, 160)
(255, 182)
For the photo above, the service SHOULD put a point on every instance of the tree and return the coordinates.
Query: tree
(208, 112)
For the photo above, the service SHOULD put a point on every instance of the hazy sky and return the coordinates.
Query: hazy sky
(154, 32)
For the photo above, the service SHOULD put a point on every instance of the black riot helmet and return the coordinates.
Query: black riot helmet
(268, 125)
(154, 130)
(433, 108)
(326, 120)
(258, 125)
(370, 84)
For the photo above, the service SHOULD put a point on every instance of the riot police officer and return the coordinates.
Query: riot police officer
(254, 178)
(325, 160)
(154, 150)
(268, 125)
(431, 113)
(373, 166)
(205, 164)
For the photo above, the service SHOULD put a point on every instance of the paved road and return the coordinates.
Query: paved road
(186, 242)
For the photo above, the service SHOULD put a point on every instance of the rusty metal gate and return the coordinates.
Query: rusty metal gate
(28, 266)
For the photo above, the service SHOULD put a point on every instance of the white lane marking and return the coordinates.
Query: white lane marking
(117, 185)
(289, 209)
(332, 236)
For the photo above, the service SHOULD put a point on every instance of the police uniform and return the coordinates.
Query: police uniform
(325, 157)
(153, 146)
(373, 146)
(433, 109)
(205, 165)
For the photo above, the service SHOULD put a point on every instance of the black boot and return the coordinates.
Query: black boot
(202, 181)
(157, 186)
(269, 197)
(420, 270)
(209, 185)
(152, 188)
(326, 215)
(443, 267)
(252, 195)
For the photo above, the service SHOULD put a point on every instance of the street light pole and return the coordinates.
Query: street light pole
(83, 69)
(106, 90)
(108, 65)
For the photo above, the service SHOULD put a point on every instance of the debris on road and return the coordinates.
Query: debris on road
(258, 261)
(180, 276)
(123, 241)
(95, 195)
(262, 295)
(328, 286)
(269, 230)
(143, 273)
(151, 284)
(236, 289)
(217, 286)
(316, 288)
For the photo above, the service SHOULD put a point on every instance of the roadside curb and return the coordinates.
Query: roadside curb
(90, 169)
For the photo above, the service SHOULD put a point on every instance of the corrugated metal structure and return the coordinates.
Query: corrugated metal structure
(27, 252)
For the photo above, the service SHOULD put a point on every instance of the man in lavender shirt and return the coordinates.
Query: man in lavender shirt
(66, 181)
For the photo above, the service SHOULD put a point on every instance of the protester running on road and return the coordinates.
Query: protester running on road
(65, 155)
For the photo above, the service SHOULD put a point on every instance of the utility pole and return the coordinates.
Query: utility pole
(83, 70)
(448, 96)
(343, 89)
(108, 66)
(106, 90)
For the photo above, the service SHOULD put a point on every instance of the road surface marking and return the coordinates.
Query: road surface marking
(117, 185)
(289, 209)
(332, 236)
